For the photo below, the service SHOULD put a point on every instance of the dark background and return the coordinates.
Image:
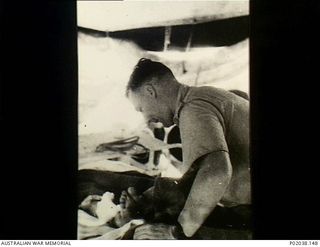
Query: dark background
(38, 116)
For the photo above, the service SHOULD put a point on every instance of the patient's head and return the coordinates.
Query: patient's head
(106, 210)
(103, 208)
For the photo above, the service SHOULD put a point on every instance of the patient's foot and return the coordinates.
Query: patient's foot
(128, 199)
(128, 202)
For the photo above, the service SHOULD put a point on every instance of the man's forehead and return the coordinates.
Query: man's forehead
(138, 93)
(134, 97)
(131, 94)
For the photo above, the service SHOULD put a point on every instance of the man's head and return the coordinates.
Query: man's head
(152, 89)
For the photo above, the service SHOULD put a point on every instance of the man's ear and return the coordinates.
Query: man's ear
(150, 90)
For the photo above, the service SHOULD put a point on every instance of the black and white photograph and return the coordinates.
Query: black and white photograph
(159, 120)
(163, 109)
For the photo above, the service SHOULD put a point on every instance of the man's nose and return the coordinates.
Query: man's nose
(155, 125)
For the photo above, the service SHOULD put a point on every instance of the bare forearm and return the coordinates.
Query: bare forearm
(207, 190)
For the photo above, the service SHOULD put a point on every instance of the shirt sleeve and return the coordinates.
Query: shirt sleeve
(202, 131)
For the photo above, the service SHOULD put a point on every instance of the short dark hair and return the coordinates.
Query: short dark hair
(147, 70)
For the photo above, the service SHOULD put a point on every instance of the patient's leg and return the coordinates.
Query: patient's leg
(161, 203)
(131, 207)
(129, 198)
(92, 182)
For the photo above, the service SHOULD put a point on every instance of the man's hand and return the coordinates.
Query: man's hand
(154, 231)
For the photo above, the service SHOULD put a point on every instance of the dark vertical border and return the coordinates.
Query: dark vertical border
(38, 117)
(284, 65)
(38, 120)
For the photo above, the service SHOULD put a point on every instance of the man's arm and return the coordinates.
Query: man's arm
(208, 188)
(210, 183)
(204, 143)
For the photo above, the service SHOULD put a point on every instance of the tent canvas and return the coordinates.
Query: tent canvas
(124, 15)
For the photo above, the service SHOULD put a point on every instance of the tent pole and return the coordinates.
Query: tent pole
(167, 37)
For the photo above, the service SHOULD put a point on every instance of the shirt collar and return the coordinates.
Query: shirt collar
(181, 100)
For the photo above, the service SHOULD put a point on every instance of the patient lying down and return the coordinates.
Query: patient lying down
(133, 210)
(100, 218)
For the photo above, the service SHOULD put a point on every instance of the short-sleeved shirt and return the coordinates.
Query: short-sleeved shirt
(210, 120)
